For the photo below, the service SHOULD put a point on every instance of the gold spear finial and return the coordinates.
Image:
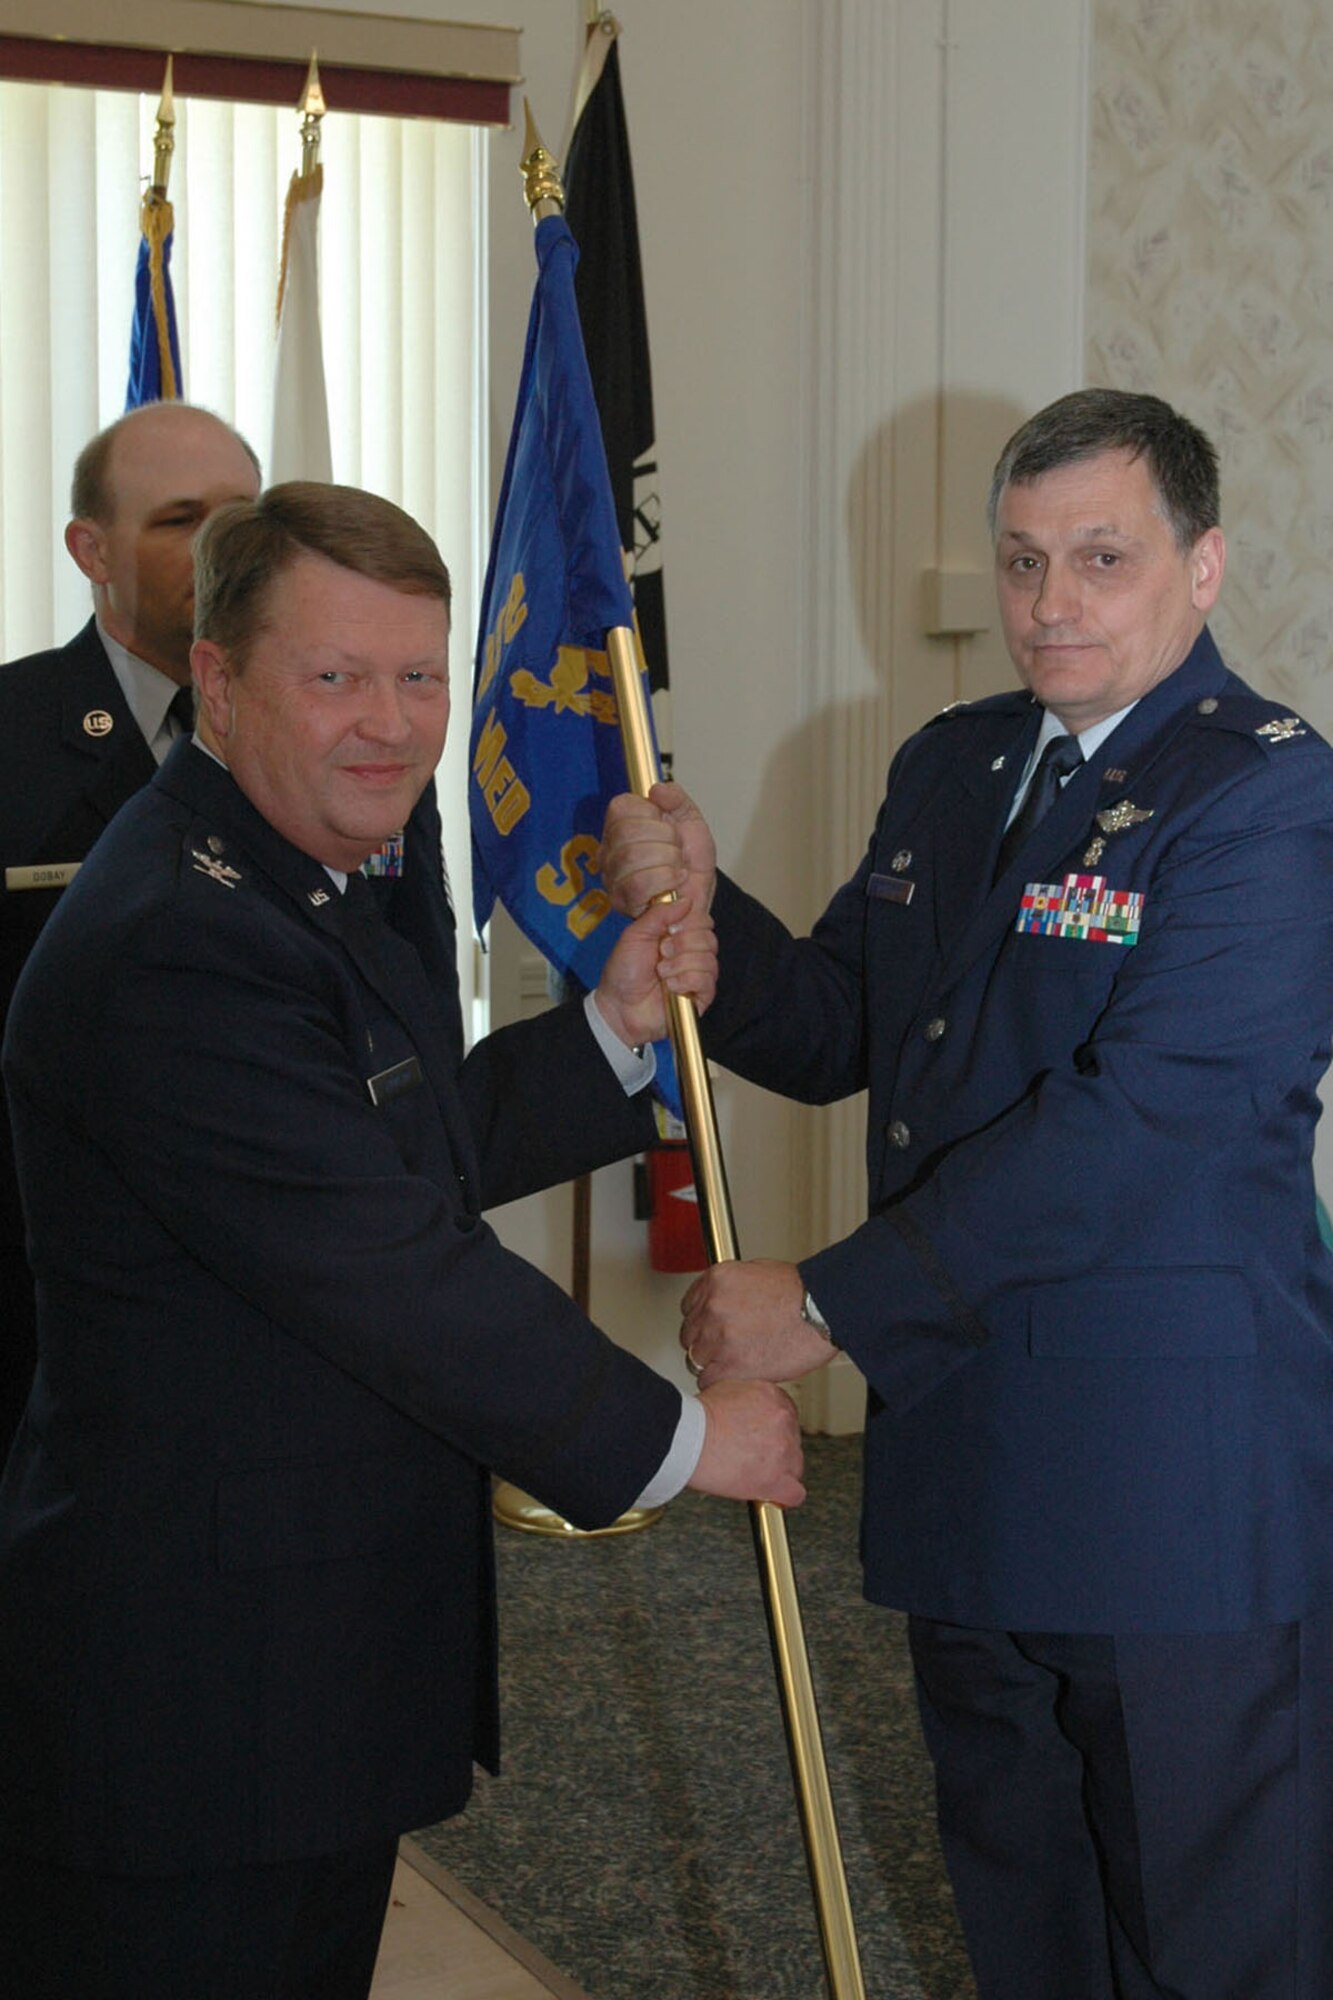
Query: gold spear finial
(164, 137)
(542, 186)
(312, 108)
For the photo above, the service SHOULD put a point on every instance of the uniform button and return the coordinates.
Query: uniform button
(900, 1135)
(934, 1029)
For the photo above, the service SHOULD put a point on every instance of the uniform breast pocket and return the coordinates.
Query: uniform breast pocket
(1045, 966)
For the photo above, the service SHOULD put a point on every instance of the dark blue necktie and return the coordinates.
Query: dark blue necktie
(181, 710)
(1061, 756)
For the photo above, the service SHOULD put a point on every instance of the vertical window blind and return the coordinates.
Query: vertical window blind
(402, 248)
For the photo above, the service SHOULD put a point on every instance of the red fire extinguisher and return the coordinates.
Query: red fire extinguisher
(675, 1232)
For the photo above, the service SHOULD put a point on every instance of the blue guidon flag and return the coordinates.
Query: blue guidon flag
(545, 749)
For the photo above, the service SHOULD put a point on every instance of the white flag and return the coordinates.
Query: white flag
(300, 448)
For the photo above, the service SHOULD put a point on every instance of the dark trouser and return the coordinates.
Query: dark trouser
(300, 1930)
(1136, 1818)
(18, 1343)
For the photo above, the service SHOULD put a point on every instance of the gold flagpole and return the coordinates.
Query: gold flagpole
(800, 1715)
(307, 184)
(156, 221)
(512, 1506)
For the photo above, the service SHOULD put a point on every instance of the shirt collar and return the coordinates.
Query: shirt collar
(1089, 739)
(147, 690)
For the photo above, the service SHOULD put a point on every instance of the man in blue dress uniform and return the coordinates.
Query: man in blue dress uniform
(247, 1622)
(1086, 972)
(84, 725)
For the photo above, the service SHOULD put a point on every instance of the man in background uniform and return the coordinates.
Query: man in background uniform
(84, 726)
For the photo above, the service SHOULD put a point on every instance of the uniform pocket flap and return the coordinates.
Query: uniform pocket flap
(325, 1511)
(1167, 1313)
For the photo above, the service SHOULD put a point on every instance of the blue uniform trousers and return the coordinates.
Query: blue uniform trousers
(1142, 1817)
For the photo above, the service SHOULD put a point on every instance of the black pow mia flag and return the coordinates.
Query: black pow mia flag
(599, 207)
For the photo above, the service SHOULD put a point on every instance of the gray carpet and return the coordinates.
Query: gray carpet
(644, 1834)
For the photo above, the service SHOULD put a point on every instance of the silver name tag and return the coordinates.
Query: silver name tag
(391, 1083)
(42, 875)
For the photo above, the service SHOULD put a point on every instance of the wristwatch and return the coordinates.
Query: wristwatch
(812, 1316)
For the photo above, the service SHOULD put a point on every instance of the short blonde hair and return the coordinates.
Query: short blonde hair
(244, 545)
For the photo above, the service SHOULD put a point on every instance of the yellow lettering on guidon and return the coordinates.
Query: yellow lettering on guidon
(567, 692)
(508, 621)
(569, 890)
(507, 797)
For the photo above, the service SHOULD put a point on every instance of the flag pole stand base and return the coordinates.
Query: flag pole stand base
(517, 1509)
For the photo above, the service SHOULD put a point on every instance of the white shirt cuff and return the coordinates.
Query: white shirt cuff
(633, 1072)
(678, 1466)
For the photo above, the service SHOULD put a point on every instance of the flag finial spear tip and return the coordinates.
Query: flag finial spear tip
(312, 103)
(542, 187)
(164, 136)
(310, 110)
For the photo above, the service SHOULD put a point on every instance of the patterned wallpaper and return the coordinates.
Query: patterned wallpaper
(1210, 244)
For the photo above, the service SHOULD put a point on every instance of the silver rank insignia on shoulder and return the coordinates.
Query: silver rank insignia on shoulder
(952, 707)
(1282, 729)
(217, 871)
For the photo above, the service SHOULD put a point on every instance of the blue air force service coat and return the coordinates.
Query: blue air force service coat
(1090, 1297)
(71, 754)
(246, 1594)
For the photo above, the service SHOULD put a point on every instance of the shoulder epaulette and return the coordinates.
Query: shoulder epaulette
(1012, 701)
(1244, 713)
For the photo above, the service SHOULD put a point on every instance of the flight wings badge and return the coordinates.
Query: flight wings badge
(1115, 819)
